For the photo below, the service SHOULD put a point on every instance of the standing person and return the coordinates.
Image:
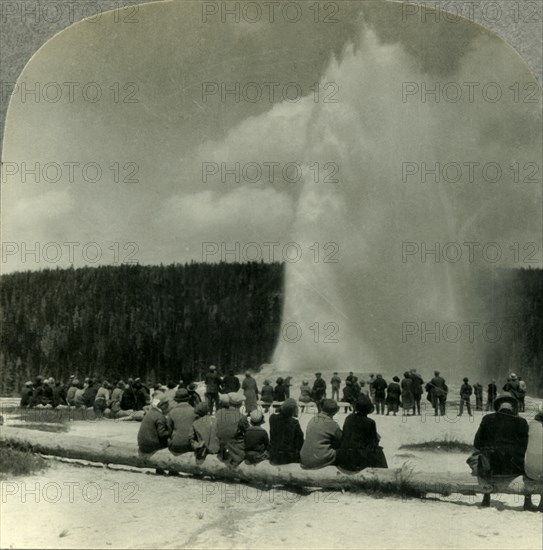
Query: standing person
(349, 394)
(465, 395)
(279, 393)
(230, 383)
(478, 391)
(350, 377)
(438, 390)
(154, 430)
(286, 436)
(393, 396)
(492, 392)
(257, 441)
(370, 384)
(502, 439)
(266, 395)
(250, 390)
(305, 391)
(521, 394)
(408, 401)
(360, 447)
(417, 390)
(322, 438)
(379, 388)
(181, 416)
(512, 386)
(212, 382)
(335, 382)
(319, 390)
(288, 384)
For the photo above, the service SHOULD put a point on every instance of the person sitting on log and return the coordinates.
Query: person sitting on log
(116, 396)
(286, 435)
(305, 392)
(79, 399)
(154, 430)
(266, 395)
(231, 428)
(322, 438)
(101, 401)
(37, 392)
(359, 447)
(501, 441)
(533, 461)
(257, 441)
(203, 434)
(393, 396)
(70, 394)
(26, 396)
(47, 395)
(279, 393)
(59, 395)
(181, 416)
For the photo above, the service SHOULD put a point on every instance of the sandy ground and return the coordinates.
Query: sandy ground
(70, 506)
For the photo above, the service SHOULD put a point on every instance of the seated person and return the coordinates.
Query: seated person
(26, 395)
(231, 428)
(154, 429)
(322, 438)
(359, 447)
(280, 391)
(203, 435)
(79, 399)
(257, 441)
(286, 436)
(194, 396)
(502, 439)
(266, 395)
(305, 392)
(181, 416)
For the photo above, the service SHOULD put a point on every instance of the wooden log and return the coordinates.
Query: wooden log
(397, 481)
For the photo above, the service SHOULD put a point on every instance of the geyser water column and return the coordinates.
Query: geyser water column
(348, 310)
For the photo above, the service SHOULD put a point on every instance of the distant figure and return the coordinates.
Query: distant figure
(116, 396)
(319, 390)
(393, 396)
(408, 401)
(305, 392)
(349, 393)
(335, 383)
(357, 387)
(288, 384)
(465, 396)
(370, 384)
(26, 395)
(266, 395)
(133, 397)
(492, 392)
(437, 390)
(350, 377)
(37, 392)
(48, 385)
(279, 393)
(181, 416)
(154, 430)
(521, 394)
(212, 382)
(194, 396)
(502, 439)
(250, 391)
(203, 434)
(359, 447)
(322, 438)
(512, 386)
(379, 392)
(70, 394)
(257, 441)
(478, 391)
(89, 395)
(286, 436)
(230, 383)
(79, 401)
(231, 431)
(416, 389)
(101, 401)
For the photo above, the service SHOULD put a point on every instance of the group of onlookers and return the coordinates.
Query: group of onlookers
(236, 435)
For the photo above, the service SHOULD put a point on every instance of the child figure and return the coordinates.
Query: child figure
(257, 441)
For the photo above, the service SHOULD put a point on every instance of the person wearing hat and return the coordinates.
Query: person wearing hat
(154, 430)
(437, 393)
(279, 393)
(393, 396)
(250, 391)
(213, 383)
(379, 393)
(203, 434)
(181, 416)
(319, 390)
(194, 396)
(231, 428)
(286, 435)
(349, 393)
(359, 447)
(417, 389)
(322, 438)
(335, 383)
(501, 439)
(512, 386)
(465, 395)
(305, 392)
(408, 400)
(26, 395)
(492, 392)
(257, 441)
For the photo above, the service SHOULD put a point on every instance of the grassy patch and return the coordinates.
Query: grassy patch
(14, 462)
(440, 445)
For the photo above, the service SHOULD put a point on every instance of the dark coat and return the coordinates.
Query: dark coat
(503, 438)
(89, 395)
(379, 385)
(286, 439)
(181, 417)
(492, 391)
(267, 394)
(417, 384)
(257, 443)
(360, 444)
(319, 389)
(279, 393)
(133, 399)
(154, 432)
(465, 391)
(230, 384)
(203, 436)
(26, 397)
(213, 381)
(349, 394)
(393, 393)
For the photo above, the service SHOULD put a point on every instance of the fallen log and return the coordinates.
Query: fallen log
(396, 481)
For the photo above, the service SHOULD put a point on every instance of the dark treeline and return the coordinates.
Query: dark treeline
(517, 301)
(161, 323)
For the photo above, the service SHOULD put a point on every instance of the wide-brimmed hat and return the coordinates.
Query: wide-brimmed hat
(236, 398)
(364, 405)
(329, 406)
(181, 395)
(506, 398)
(513, 376)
